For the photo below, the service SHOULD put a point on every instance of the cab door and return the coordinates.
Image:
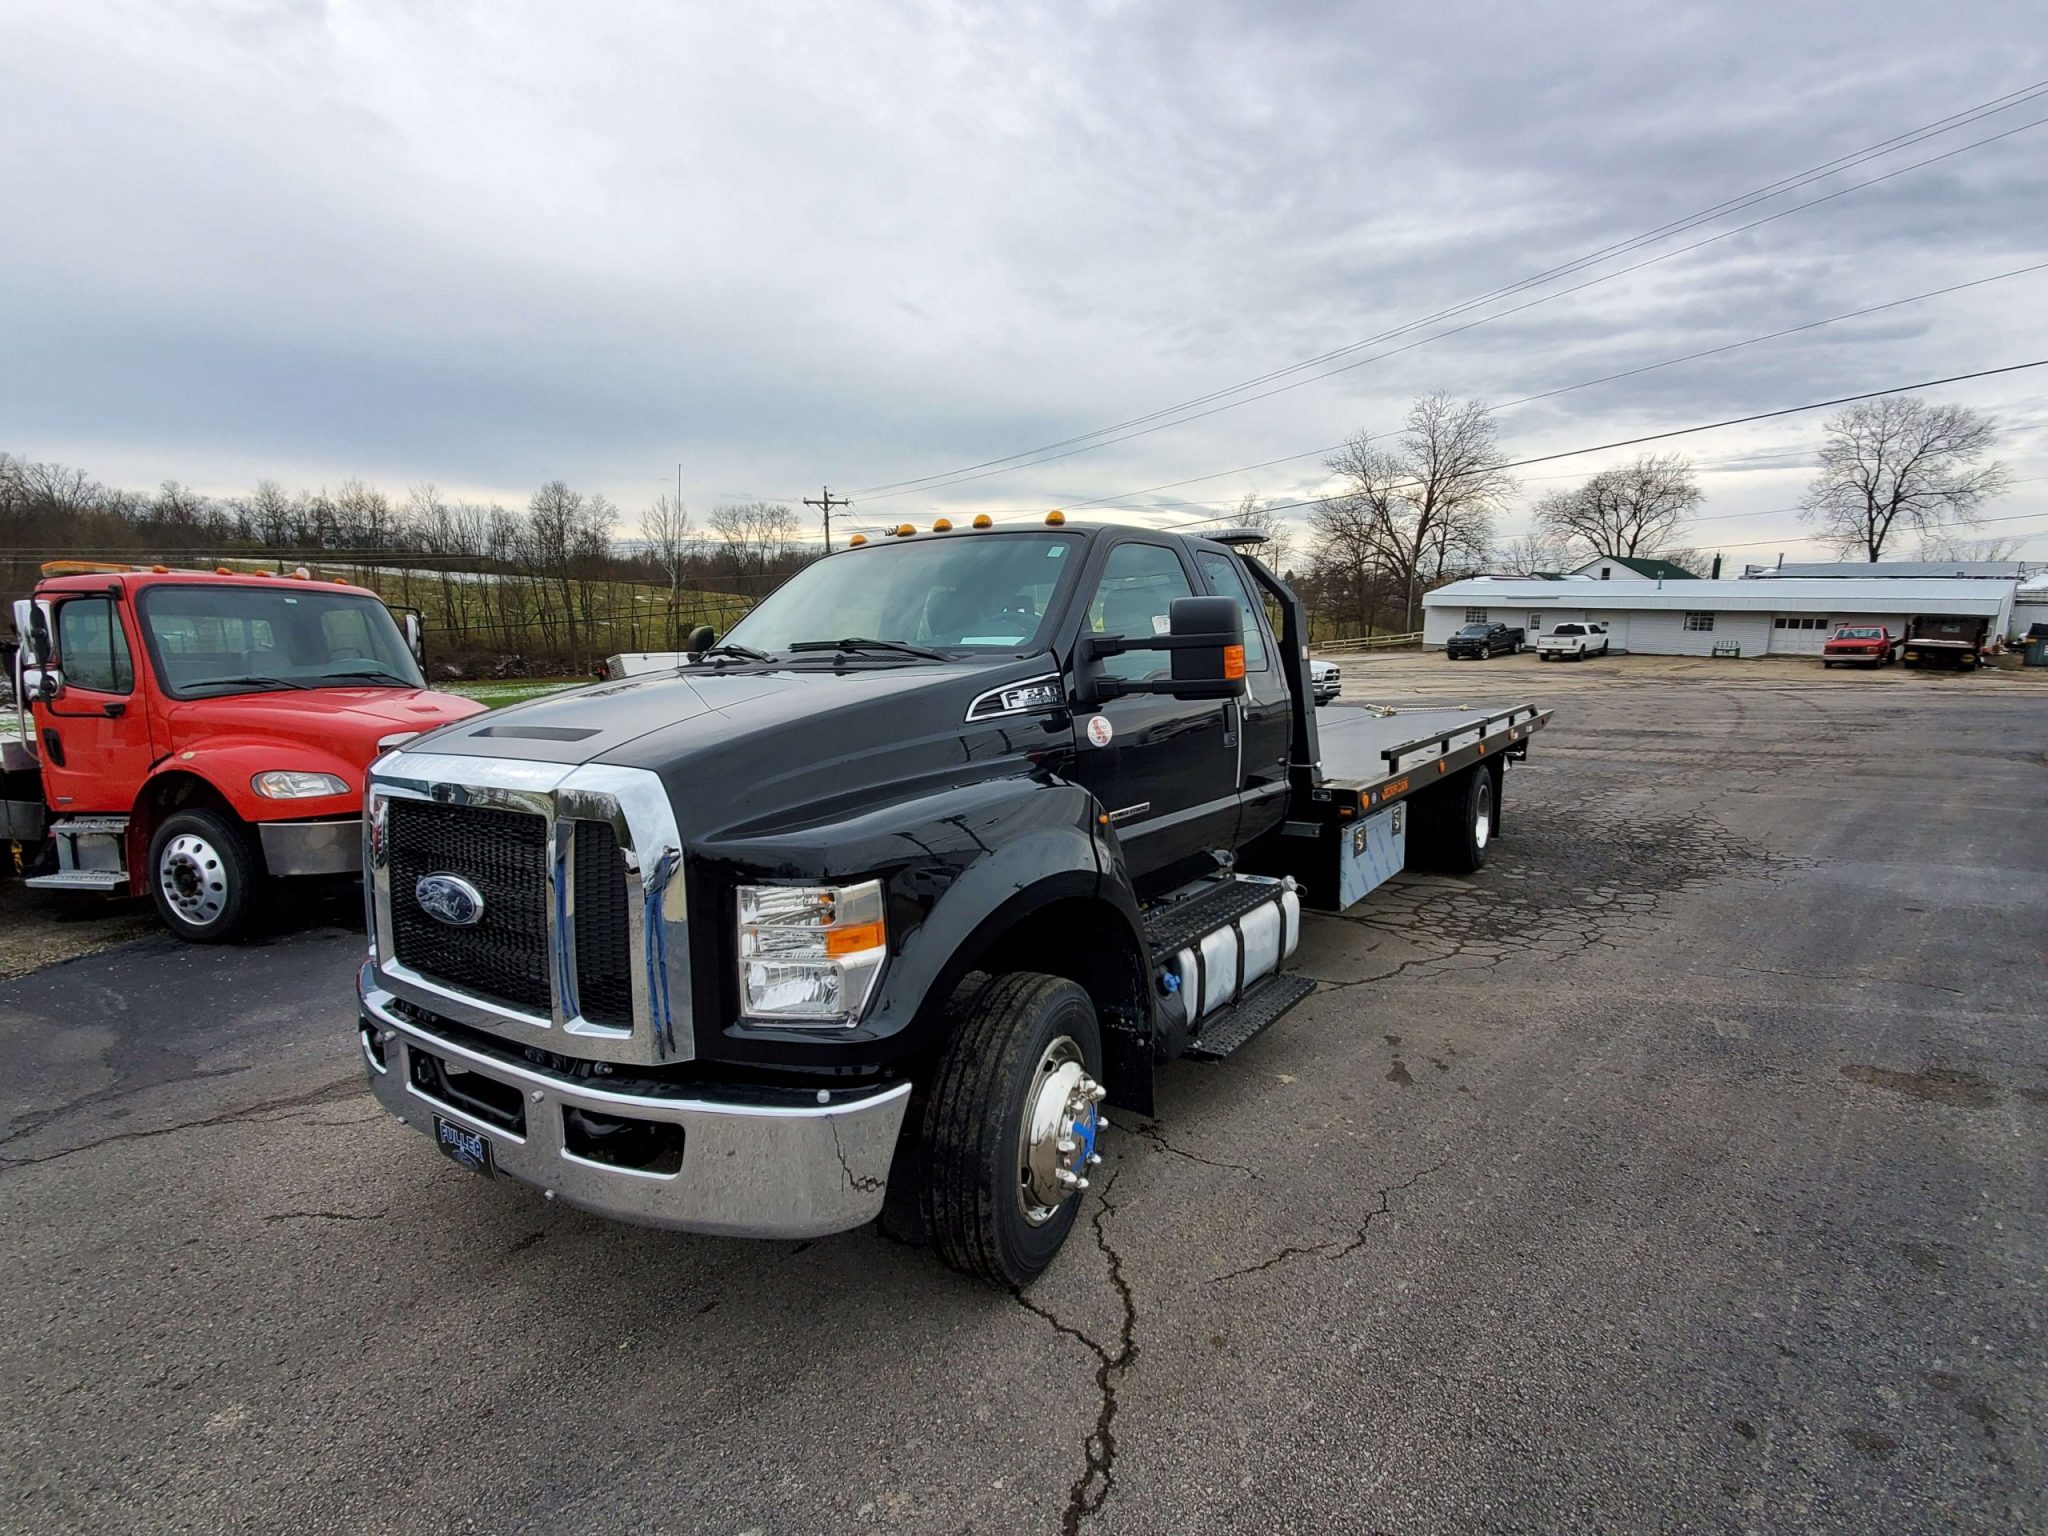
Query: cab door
(1164, 769)
(94, 736)
(1266, 712)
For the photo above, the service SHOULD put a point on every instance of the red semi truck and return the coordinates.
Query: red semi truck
(191, 735)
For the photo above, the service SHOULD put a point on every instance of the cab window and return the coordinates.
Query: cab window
(1225, 580)
(1135, 597)
(92, 648)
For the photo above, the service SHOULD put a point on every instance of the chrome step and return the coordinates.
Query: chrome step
(89, 826)
(1263, 1002)
(107, 880)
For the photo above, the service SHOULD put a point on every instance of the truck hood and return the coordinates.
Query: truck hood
(346, 721)
(740, 748)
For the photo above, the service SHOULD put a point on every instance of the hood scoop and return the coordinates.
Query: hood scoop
(536, 732)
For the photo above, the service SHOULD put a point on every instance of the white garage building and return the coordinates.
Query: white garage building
(1783, 616)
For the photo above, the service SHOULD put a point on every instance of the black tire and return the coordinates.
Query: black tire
(203, 875)
(1445, 835)
(969, 1198)
(1827, 666)
(1486, 653)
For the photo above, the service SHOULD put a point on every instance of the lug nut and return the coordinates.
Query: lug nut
(1094, 1159)
(537, 1095)
(1102, 1122)
(1066, 1176)
(1097, 1093)
(1080, 1183)
(1065, 1144)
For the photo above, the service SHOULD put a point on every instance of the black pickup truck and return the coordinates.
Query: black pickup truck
(1486, 641)
(953, 838)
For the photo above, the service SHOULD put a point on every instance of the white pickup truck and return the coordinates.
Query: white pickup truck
(1577, 641)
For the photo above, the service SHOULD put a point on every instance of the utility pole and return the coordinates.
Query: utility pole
(825, 505)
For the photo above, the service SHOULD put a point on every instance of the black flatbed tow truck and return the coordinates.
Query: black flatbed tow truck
(867, 909)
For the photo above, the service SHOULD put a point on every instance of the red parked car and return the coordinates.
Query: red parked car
(1868, 644)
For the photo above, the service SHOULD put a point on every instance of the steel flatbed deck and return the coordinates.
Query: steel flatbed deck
(1373, 755)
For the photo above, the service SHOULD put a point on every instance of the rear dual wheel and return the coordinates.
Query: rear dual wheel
(1453, 827)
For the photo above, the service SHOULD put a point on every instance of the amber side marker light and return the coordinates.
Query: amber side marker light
(1233, 662)
(221, 570)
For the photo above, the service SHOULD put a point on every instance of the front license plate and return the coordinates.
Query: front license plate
(464, 1146)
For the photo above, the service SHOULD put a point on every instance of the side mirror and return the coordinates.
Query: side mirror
(1208, 654)
(1206, 638)
(43, 683)
(702, 638)
(415, 638)
(32, 623)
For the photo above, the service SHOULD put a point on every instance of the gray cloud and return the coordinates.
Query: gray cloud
(486, 246)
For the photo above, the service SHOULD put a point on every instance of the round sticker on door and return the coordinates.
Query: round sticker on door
(1100, 730)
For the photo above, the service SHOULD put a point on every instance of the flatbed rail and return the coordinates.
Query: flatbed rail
(1372, 758)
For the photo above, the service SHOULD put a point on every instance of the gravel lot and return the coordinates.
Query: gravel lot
(1680, 1172)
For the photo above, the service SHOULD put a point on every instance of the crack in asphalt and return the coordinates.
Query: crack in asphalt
(1152, 1133)
(325, 1216)
(1336, 1247)
(35, 1120)
(1097, 1480)
(259, 1113)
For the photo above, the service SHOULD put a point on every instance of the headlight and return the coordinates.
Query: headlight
(285, 784)
(810, 953)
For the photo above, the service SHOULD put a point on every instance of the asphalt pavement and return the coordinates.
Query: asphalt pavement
(1680, 1172)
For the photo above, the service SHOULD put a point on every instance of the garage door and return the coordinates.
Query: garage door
(1799, 634)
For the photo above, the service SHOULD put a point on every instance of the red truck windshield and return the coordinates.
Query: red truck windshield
(213, 640)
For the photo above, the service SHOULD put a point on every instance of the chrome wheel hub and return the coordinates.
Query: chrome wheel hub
(1056, 1140)
(1482, 825)
(193, 879)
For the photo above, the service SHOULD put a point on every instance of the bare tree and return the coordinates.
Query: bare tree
(665, 532)
(1632, 509)
(1278, 551)
(1900, 463)
(755, 534)
(1534, 551)
(1426, 506)
(1945, 545)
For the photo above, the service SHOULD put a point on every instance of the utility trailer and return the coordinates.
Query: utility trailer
(868, 908)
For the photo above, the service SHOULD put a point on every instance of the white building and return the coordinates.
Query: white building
(1783, 616)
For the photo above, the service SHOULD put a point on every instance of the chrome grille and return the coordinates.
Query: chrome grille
(504, 854)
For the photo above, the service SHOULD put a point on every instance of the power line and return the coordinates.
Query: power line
(1658, 437)
(1811, 325)
(1942, 125)
(1475, 324)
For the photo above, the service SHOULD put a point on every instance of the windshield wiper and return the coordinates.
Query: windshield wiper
(859, 643)
(743, 652)
(378, 673)
(246, 682)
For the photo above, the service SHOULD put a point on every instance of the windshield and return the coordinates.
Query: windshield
(970, 593)
(1859, 634)
(212, 640)
(1476, 629)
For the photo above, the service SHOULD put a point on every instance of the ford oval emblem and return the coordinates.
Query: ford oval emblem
(449, 899)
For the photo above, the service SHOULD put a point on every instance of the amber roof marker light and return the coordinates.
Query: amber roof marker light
(1055, 518)
(983, 520)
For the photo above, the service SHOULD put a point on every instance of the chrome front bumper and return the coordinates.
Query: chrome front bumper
(312, 847)
(747, 1170)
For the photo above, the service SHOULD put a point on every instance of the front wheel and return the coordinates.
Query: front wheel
(203, 874)
(1486, 653)
(1009, 1129)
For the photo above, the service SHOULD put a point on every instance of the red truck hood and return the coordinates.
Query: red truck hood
(1856, 645)
(347, 721)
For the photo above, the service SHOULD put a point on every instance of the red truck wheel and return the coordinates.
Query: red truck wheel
(203, 876)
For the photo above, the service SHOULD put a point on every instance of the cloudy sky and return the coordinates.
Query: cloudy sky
(485, 245)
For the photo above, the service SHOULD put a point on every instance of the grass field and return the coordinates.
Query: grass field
(498, 695)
